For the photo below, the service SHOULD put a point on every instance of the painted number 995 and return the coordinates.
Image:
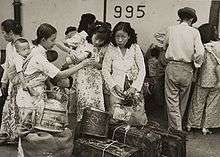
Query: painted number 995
(129, 11)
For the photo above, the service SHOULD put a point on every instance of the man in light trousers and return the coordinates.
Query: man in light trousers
(184, 49)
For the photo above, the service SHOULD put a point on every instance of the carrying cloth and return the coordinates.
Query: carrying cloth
(45, 144)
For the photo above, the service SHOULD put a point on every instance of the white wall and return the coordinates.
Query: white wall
(159, 15)
(6, 11)
(63, 13)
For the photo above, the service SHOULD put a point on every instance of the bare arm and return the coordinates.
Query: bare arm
(68, 72)
(63, 48)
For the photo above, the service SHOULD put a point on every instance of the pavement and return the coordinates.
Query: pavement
(198, 145)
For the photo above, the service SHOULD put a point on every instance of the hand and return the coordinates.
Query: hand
(131, 91)
(118, 91)
(197, 58)
(4, 88)
(32, 92)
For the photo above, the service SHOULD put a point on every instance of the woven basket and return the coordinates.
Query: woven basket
(52, 114)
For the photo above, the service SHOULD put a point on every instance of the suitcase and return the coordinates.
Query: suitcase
(173, 141)
(145, 140)
(102, 148)
(95, 123)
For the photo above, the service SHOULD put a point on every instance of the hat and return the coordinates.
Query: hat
(189, 12)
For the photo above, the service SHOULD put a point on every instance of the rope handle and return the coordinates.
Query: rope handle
(125, 134)
(103, 151)
(126, 131)
(121, 126)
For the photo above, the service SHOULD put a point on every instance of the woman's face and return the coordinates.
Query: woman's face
(49, 42)
(96, 41)
(7, 36)
(121, 38)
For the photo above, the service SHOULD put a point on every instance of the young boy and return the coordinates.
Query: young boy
(184, 47)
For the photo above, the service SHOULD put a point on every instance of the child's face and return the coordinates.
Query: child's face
(23, 49)
(70, 34)
(96, 41)
(121, 38)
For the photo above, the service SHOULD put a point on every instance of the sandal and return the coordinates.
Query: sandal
(206, 131)
(188, 128)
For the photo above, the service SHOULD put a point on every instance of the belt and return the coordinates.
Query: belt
(180, 62)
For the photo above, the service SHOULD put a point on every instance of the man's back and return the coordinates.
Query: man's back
(183, 42)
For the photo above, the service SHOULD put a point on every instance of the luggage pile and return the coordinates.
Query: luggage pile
(101, 136)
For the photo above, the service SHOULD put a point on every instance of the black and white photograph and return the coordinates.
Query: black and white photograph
(110, 78)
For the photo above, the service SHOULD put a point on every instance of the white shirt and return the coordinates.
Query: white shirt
(39, 64)
(184, 42)
(121, 66)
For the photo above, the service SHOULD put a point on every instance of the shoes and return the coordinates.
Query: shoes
(206, 131)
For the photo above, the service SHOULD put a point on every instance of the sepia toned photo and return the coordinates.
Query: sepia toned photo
(110, 78)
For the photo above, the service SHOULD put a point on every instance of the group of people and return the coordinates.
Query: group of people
(105, 70)
(188, 66)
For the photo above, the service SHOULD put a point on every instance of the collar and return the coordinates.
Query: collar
(184, 24)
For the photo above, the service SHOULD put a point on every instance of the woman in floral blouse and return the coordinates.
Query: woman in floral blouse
(124, 72)
(204, 110)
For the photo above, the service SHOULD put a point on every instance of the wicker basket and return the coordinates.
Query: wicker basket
(52, 114)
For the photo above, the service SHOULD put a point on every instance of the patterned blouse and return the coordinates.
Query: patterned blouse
(116, 67)
(207, 75)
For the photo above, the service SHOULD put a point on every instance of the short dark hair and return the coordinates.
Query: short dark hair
(155, 52)
(52, 55)
(103, 31)
(207, 32)
(21, 40)
(86, 20)
(185, 16)
(70, 29)
(45, 31)
(126, 27)
(11, 25)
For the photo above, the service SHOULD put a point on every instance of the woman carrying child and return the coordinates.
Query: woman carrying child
(11, 31)
(36, 70)
(204, 110)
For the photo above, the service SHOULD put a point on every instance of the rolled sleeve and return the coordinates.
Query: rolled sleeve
(199, 49)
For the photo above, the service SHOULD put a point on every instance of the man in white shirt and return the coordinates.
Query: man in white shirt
(184, 47)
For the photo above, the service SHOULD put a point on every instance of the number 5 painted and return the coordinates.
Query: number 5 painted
(140, 9)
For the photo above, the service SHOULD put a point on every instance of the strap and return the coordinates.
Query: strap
(103, 151)
(121, 126)
(126, 131)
